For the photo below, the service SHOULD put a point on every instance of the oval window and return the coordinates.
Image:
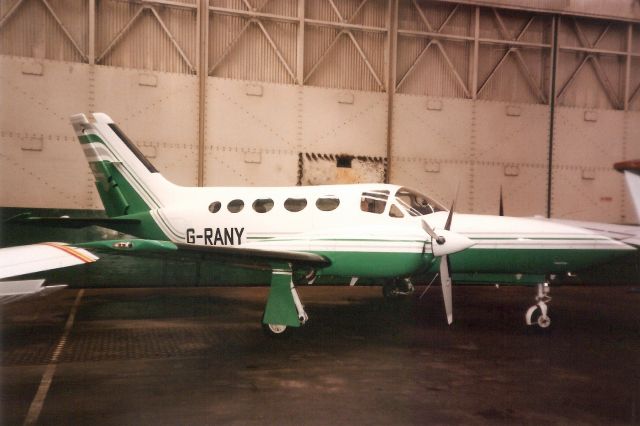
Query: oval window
(263, 205)
(295, 204)
(327, 204)
(235, 206)
(215, 207)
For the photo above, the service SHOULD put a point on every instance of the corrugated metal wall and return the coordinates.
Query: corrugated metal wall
(471, 89)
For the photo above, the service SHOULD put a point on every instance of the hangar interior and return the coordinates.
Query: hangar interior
(436, 95)
(459, 99)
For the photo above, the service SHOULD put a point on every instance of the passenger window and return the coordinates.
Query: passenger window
(374, 201)
(295, 204)
(394, 211)
(327, 204)
(263, 205)
(215, 207)
(235, 206)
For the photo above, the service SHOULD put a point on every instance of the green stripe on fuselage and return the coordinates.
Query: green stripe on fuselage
(530, 261)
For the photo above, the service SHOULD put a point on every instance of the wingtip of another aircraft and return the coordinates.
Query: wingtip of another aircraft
(630, 165)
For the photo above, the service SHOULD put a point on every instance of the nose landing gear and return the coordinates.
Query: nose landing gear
(538, 313)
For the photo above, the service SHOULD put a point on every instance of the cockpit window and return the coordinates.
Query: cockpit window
(374, 201)
(417, 204)
(394, 211)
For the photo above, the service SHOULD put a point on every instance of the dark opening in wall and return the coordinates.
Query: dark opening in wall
(344, 161)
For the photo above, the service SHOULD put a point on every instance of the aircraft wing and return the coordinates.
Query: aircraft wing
(21, 260)
(628, 234)
(240, 256)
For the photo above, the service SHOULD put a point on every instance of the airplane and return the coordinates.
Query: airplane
(27, 259)
(312, 235)
(628, 234)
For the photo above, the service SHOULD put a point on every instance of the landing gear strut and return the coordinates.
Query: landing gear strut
(537, 314)
(397, 288)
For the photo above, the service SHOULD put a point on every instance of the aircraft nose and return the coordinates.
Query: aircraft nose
(453, 243)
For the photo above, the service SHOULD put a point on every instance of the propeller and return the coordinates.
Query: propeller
(501, 209)
(442, 245)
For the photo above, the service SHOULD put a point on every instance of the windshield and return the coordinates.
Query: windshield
(417, 204)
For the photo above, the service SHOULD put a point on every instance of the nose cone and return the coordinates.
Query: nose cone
(453, 243)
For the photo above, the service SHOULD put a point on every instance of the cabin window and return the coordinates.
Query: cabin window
(394, 211)
(417, 204)
(235, 206)
(327, 204)
(374, 201)
(295, 204)
(263, 205)
(215, 207)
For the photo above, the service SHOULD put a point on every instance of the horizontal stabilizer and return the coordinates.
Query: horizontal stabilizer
(72, 222)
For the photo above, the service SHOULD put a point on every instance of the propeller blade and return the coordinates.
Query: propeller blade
(445, 281)
(429, 230)
(447, 225)
(501, 211)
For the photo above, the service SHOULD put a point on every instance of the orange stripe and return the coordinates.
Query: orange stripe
(71, 251)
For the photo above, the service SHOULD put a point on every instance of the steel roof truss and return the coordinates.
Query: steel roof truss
(440, 47)
(595, 63)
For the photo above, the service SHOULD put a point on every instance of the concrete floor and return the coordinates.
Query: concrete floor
(198, 356)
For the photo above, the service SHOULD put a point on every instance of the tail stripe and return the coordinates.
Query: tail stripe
(146, 195)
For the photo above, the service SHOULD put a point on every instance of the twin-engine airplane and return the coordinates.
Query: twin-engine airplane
(308, 235)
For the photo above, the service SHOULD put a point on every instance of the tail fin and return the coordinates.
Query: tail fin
(127, 182)
(631, 170)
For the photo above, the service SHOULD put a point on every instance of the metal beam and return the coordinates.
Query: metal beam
(627, 67)
(92, 32)
(118, 36)
(461, 38)
(453, 69)
(414, 64)
(227, 50)
(476, 53)
(64, 29)
(324, 55)
(172, 38)
(365, 59)
(300, 45)
(11, 11)
(276, 50)
(552, 111)
(170, 3)
(203, 59)
(392, 38)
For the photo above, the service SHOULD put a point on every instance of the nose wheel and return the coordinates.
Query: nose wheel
(538, 313)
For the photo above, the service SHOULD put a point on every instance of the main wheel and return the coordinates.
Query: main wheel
(274, 330)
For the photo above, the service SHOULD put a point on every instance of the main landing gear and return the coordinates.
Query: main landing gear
(397, 288)
(538, 313)
(284, 308)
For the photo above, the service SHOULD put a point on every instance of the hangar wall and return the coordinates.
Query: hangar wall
(447, 95)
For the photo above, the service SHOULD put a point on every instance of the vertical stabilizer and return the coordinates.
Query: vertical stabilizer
(126, 181)
(631, 170)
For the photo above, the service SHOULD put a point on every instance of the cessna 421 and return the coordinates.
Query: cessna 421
(304, 235)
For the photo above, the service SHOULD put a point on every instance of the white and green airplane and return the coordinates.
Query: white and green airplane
(308, 235)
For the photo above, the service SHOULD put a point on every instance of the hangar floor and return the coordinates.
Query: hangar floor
(198, 356)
